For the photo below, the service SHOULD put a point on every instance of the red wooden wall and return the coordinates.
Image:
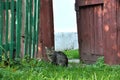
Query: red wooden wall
(99, 30)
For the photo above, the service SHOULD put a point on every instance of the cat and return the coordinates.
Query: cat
(56, 57)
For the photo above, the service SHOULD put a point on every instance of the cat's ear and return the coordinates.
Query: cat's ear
(46, 48)
(52, 48)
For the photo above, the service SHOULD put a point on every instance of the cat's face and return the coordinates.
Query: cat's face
(49, 52)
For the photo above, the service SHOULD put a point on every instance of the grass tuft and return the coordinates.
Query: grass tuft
(72, 54)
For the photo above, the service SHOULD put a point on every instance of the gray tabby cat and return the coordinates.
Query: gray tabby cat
(56, 57)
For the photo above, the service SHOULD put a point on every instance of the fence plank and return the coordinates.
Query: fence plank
(1, 28)
(26, 30)
(36, 24)
(7, 20)
(18, 27)
(30, 27)
(12, 30)
(33, 28)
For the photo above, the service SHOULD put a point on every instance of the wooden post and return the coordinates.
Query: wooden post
(46, 28)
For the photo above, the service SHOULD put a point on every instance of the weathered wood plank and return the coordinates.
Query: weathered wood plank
(110, 35)
(118, 30)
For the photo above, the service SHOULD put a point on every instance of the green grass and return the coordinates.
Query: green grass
(40, 70)
(72, 54)
(32, 69)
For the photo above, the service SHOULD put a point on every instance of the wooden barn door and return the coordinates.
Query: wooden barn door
(90, 33)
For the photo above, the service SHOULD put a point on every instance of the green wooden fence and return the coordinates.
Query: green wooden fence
(18, 28)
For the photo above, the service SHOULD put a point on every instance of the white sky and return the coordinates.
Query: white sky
(64, 16)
